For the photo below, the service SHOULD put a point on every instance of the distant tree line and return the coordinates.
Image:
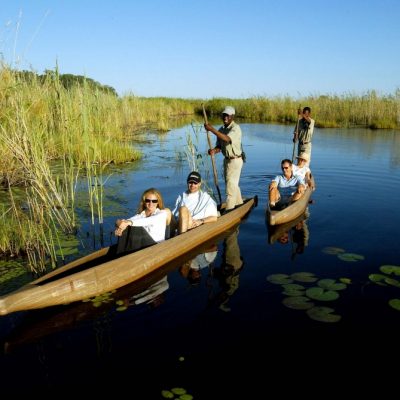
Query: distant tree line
(67, 80)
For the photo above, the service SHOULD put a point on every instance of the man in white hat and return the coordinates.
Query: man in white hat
(229, 142)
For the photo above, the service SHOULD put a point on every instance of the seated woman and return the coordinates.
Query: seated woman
(302, 169)
(287, 187)
(149, 226)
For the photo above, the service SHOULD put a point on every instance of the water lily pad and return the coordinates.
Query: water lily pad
(178, 391)
(298, 303)
(279, 279)
(306, 277)
(167, 394)
(318, 293)
(121, 308)
(119, 302)
(331, 284)
(66, 251)
(186, 396)
(395, 303)
(350, 257)
(347, 281)
(294, 292)
(332, 250)
(323, 314)
(293, 286)
(390, 269)
(392, 282)
(379, 279)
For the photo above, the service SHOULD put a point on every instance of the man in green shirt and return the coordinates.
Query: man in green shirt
(304, 132)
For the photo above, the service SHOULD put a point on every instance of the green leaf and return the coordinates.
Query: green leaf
(306, 277)
(318, 293)
(66, 251)
(392, 282)
(293, 286)
(378, 279)
(298, 303)
(323, 314)
(178, 391)
(332, 250)
(167, 394)
(350, 257)
(395, 303)
(294, 293)
(279, 279)
(331, 284)
(390, 269)
(121, 308)
(186, 396)
(347, 281)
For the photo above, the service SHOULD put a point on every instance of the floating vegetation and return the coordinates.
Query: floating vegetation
(323, 314)
(279, 279)
(179, 392)
(395, 303)
(333, 250)
(347, 281)
(298, 303)
(350, 257)
(100, 299)
(388, 279)
(10, 270)
(298, 296)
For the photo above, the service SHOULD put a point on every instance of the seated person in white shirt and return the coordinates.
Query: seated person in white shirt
(302, 168)
(149, 226)
(194, 207)
(286, 188)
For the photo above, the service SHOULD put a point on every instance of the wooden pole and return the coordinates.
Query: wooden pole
(296, 135)
(212, 157)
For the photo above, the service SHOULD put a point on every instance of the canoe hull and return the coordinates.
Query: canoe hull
(294, 210)
(113, 274)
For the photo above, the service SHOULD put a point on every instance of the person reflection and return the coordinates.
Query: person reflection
(191, 270)
(227, 274)
(299, 235)
(154, 295)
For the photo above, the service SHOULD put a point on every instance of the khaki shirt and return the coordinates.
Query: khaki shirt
(305, 131)
(234, 148)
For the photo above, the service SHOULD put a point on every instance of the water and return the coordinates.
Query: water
(233, 320)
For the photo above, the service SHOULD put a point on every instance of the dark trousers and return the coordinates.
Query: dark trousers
(134, 238)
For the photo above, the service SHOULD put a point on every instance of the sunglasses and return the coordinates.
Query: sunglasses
(151, 201)
(193, 183)
(285, 167)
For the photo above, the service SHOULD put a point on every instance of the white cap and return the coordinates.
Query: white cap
(229, 110)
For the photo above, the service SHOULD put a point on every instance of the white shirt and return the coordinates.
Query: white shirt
(155, 224)
(200, 205)
(301, 171)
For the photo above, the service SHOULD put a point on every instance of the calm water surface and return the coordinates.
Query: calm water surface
(234, 318)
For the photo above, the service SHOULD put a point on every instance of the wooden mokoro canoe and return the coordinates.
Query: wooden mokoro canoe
(277, 217)
(101, 272)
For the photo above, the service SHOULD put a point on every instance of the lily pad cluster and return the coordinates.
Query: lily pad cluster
(10, 269)
(176, 393)
(67, 247)
(300, 294)
(105, 298)
(342, 254)
(390, 276)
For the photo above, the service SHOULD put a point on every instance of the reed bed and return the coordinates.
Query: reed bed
(367, 110)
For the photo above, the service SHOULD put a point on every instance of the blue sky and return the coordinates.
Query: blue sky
(210, 48)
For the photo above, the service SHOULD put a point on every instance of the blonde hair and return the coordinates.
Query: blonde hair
(142, 204)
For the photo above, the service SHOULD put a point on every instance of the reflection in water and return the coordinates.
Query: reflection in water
(295, 231)
(191, 270)
(153, 295)
(227, 274)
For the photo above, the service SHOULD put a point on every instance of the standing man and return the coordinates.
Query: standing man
(305, 132)
(229, 142)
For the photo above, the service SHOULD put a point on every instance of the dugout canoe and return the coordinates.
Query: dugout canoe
(291, 212)
(101, 272)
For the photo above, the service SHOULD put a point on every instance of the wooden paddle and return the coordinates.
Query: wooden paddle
(296, 134)
(212, 157)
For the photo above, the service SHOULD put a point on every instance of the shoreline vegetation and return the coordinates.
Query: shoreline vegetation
(85, 126)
